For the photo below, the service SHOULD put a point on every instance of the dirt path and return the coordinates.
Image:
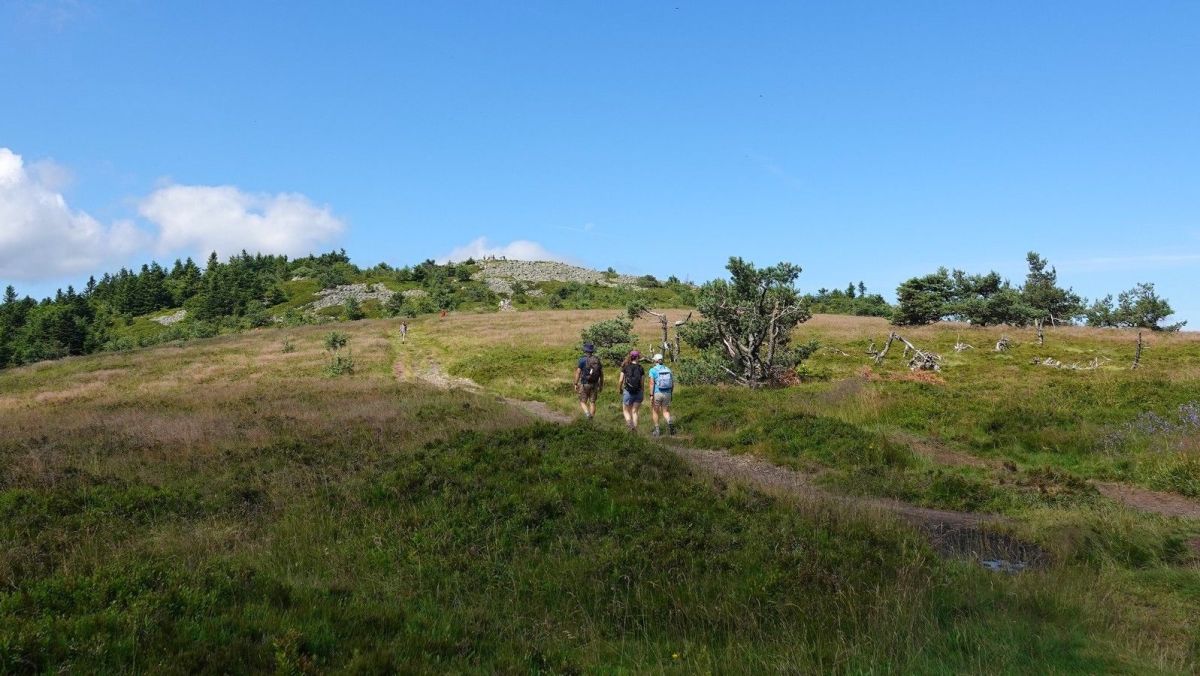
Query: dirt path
(1136, 497)
(951, 533)
(1167, 504)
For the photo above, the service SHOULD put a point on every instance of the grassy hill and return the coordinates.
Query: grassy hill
(225, 506)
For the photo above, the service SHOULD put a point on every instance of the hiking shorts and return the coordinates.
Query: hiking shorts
(662, 398)
(628, 397)
(587, 392)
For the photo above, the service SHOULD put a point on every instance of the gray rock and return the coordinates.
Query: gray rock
(359, 292)
(499, 275)
(173, 318)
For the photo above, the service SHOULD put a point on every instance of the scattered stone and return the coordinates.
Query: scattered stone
(499, 275)
(1003, 566)
(173, 318)
(359, 292)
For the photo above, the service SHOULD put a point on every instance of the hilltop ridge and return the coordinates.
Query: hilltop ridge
(499, 274)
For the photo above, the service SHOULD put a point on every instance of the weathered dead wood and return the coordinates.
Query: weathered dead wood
(962, 347)
(669, 349)
(1137, 354)
(1037, 324)
(920, 361)
(1053, 363)
(1003, 344)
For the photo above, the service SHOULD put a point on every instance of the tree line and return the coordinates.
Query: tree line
(234, 293)
(248, 290)
(987, 299)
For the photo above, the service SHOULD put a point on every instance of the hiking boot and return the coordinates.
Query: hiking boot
(671, 428)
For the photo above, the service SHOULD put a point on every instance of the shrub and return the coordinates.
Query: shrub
(613, 339)
(335, 341)
(702, 370)
(339, 364)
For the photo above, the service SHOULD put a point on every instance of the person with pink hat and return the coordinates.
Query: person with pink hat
(633, 391)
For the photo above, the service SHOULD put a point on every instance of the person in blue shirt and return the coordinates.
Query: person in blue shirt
(589, 380)
(663, 383)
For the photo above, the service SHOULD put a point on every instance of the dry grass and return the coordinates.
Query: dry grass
(163, 409)
(540, 329)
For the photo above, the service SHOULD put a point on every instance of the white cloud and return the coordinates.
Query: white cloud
(41, 237)
(521, 250)
(201, 219)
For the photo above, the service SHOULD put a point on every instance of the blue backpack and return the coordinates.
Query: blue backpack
(663, 380)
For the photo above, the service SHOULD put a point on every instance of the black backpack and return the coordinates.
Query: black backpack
(633, 378)
(592, 368)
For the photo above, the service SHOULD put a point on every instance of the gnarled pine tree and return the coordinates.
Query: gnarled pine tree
(750, 319)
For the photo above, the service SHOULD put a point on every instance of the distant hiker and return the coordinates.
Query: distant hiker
(589, 380)
(663, 383)
(403, 330)
(443, 314)
(632, 388)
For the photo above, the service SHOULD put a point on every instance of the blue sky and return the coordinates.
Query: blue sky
(871, 141)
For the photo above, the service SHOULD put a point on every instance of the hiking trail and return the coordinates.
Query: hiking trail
(1136, 497)
(951, 533)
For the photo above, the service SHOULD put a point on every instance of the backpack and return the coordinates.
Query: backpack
(591, 369)
(634, 384)
(663, 380)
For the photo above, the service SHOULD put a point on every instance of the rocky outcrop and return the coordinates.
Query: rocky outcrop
(499, 275)
(362, 293)
(173, 318)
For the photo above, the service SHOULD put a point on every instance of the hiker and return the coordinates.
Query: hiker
(404, 331)
(632, 389)
(663, 383)
(589, 380)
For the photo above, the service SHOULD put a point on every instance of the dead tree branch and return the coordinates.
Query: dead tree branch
(920, 361)
(1053, 363)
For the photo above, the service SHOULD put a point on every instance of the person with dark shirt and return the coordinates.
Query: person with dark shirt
(589, 380)
(633, 390)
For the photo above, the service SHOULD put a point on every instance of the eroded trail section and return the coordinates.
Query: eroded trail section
(951, 533)
(1135, 497)
(1167, 504)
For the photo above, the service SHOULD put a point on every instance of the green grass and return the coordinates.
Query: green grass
(544, 548)
(225, 507)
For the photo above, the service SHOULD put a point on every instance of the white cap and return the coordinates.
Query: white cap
(658, 357)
